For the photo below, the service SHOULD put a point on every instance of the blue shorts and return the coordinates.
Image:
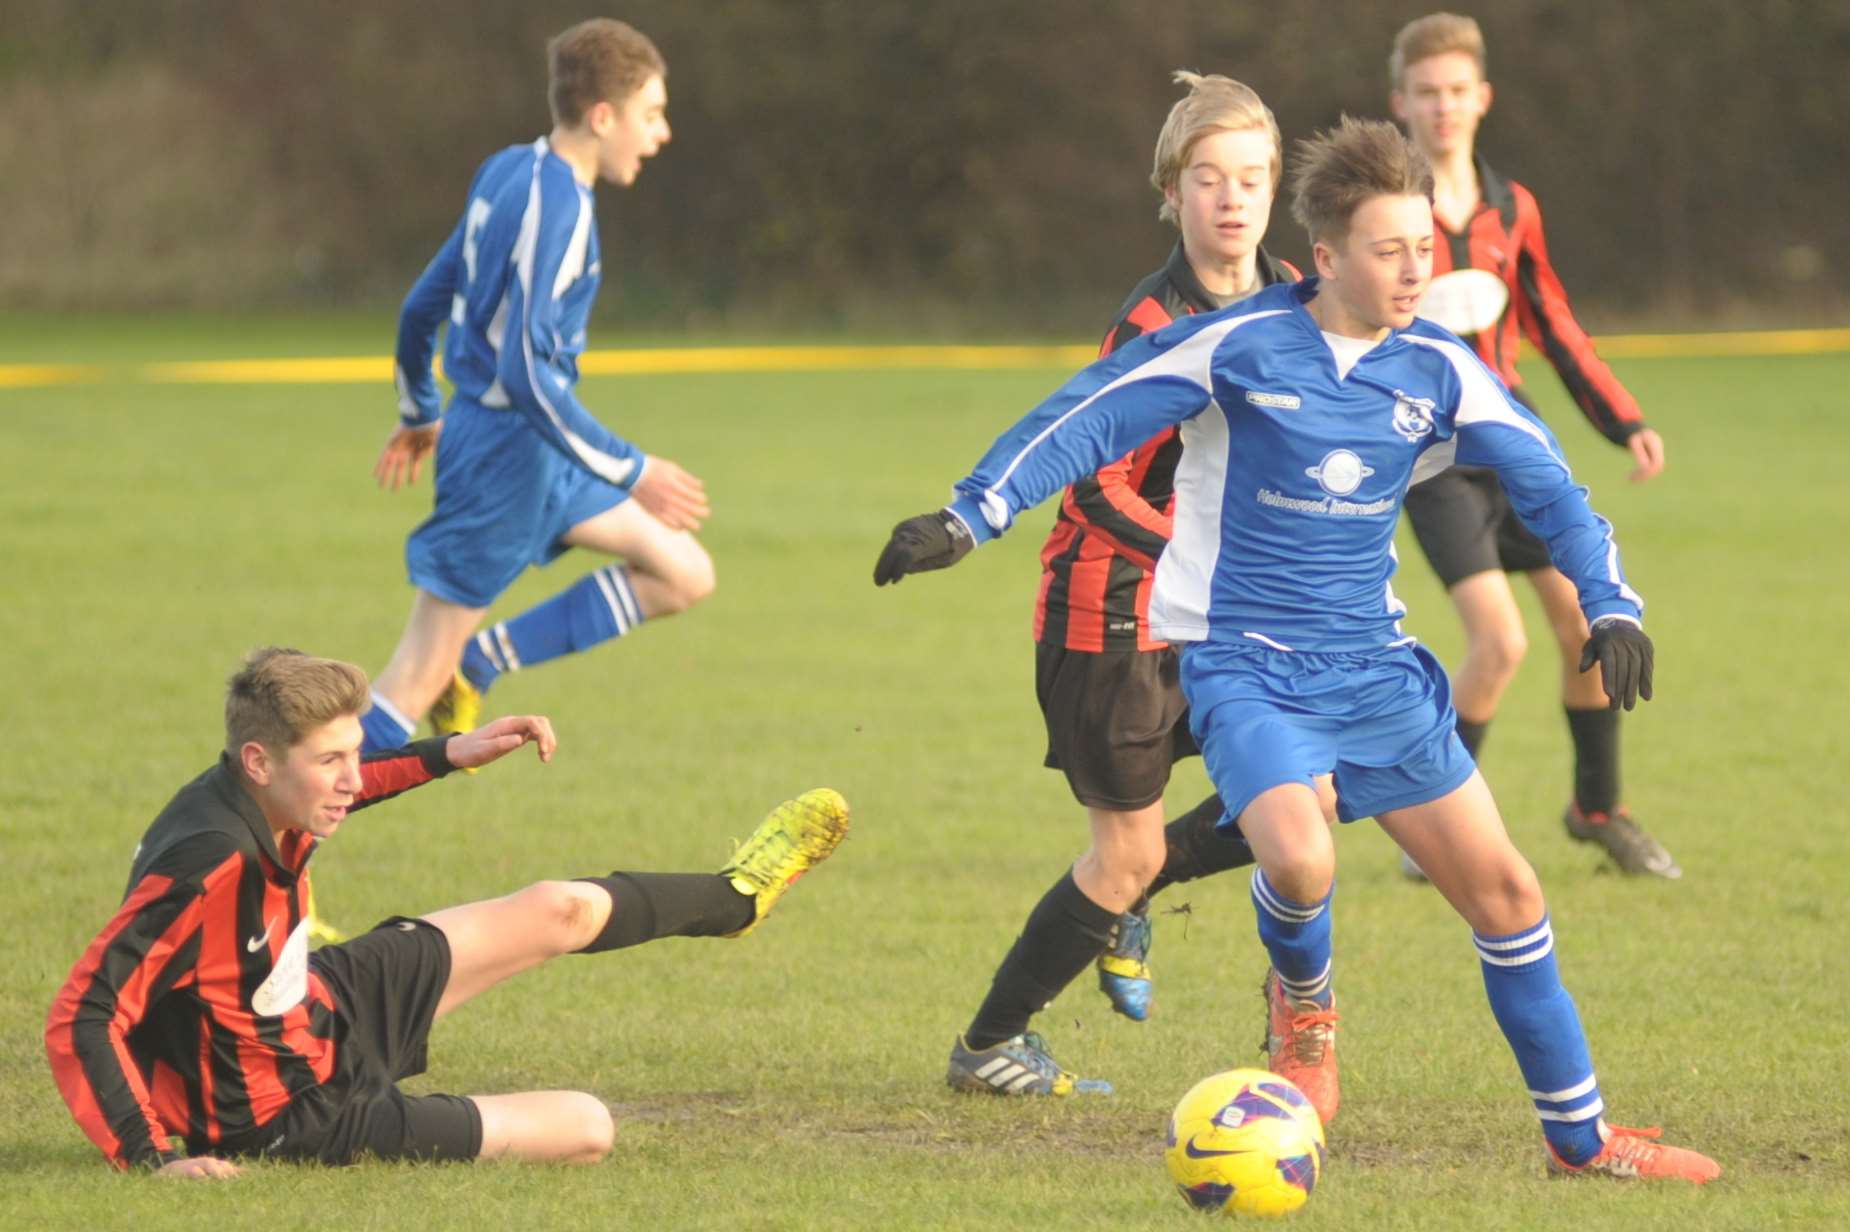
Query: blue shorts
(1381, 721)
(504, 500)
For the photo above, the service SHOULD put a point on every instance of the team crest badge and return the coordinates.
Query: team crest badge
(1412, 416)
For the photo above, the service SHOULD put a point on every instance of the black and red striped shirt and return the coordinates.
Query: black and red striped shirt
(194, 1013)
(1099, 563)
(1504, 237)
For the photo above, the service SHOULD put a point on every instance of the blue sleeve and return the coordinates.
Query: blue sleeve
(1107, 410)
(1493, 429)
(533, 366)
(424, 311)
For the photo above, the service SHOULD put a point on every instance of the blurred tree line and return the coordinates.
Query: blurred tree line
(944, 166)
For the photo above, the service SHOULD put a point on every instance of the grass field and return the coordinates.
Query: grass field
(794, 1080)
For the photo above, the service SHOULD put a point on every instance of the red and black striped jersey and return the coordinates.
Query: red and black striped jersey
(1099, 562)
(1504, 237)
(195, 1012)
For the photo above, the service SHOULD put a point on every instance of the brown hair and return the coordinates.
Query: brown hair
(1338, 169)
(1434, 35)
(278, 696)
(1213, 104)
(598, 61)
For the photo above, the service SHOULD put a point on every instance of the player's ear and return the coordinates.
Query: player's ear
(256, 762)
(1484, 95)
(601, 117)
(1397, 104)
(1324, 257)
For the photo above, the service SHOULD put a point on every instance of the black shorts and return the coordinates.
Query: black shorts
(1116, 722)
(1465, 525)
(386, 985)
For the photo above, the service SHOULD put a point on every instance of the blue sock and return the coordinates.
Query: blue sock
(597, 607)
(385, 727)
(1543, 1027)
(1297, 936)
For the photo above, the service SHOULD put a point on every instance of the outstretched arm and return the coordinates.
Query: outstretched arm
(392, 772)
(1103, 413)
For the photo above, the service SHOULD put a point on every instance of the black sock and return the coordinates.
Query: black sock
(1197, 848)
(1596, 759)
(1065, 931)
(1471, 735)
(645, 906)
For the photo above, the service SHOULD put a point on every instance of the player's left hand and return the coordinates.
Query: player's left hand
(404, 453)
(1648, 451)
(491, 741)
(1625, 659)
(929, 541)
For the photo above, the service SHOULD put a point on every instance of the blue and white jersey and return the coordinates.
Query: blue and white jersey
(516, 280)
(1294, 465)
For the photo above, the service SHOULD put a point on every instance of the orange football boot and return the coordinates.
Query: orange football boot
(1301, 1040)
(1637, 1155)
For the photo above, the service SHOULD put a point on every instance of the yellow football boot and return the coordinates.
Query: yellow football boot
(458, 708)
(797, 835)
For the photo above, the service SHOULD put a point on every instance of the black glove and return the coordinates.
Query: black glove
(929, 541)
(1624, 655)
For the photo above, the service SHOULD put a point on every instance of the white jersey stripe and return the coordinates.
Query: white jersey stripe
(1190, 360)
(605, 466)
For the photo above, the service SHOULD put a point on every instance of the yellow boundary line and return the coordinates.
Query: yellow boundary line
(376, 369)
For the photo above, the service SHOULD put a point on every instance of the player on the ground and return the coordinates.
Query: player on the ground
(1304, 413)
(198, 1012)
(1493, 280)
(1116, 720)
(523, 470)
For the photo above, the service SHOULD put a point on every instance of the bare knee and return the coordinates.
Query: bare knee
(1498, 652)
(691, 580)
(562, 916)
(595, 1128)
(1507, 901)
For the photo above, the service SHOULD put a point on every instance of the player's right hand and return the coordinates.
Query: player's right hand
(677, 499)
(404, 453)
(199, 1168)
(918, 545)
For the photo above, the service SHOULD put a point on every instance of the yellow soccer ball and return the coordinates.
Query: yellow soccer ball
(1245, 1142)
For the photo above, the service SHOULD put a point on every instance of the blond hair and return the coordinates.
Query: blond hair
(1337, 170)
(1213, 104)
(598, 61)
(278, 696)
(1434, 35)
